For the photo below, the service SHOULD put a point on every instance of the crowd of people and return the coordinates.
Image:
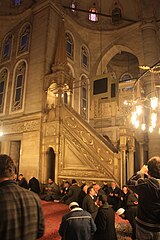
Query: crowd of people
(92, 207)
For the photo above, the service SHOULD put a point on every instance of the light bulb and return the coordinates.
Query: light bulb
(136, 124)
(133, 118)
(153, 119)
(143, 126)
(138, 109)
(1, 133)
(154, 102)
(150, 129)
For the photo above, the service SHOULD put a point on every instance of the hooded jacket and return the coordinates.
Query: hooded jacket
(77, 225)
(148, 190)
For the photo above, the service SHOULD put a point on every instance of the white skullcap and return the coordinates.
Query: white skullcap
(120, 211)
(73, 204)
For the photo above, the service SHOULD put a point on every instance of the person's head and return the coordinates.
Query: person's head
(74, 181)
(84, 187)
(121, 212)
(66, 184)
(125, 189)
(91, 191)
(7, 167)
(73, 205)
(20, 176)
(102, 199)
(96, 188)
(50, 181)
(154, 167)
(113, 184)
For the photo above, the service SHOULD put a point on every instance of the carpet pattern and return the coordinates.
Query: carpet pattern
(53, 213)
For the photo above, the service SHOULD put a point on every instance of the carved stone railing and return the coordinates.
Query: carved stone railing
(86, 154)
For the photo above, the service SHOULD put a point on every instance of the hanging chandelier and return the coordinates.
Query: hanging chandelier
(145, 107)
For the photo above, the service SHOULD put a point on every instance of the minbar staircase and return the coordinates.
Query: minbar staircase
(85, 154)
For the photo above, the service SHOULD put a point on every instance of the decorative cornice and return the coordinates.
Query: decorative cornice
(27, 126)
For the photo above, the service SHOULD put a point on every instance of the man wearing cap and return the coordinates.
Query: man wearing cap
(77, 224)
(146, 183)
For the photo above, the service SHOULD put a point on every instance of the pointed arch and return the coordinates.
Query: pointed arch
(109, 55)
(69, 45)
(24, 38)
(84, 57)
(4, 75)
(84, 96)
(18, 86)
(7, 47)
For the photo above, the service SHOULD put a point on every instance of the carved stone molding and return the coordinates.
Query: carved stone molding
(27, 126)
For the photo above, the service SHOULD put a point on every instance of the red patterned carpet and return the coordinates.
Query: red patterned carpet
(53, 213)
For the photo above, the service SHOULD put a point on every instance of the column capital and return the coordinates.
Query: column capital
(149, 23)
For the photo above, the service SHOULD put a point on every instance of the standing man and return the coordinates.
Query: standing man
(21, 214)
(146, 183)
(77, 224)
(105, 221)
(89, 204)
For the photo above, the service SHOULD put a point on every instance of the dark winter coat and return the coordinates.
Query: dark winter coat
(105, 222)
(77, 225)
(89, 205)
(148, 190)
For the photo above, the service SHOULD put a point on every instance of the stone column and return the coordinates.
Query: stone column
(130, 163)
(150, 48)
(123, 141)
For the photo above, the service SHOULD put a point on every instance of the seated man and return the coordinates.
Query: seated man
(22, 182)
(34, 185)
(51, 191)
(77, 224)
(73, 192)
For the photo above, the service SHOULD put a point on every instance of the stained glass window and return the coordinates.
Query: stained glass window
(93, 15)
(17, 2)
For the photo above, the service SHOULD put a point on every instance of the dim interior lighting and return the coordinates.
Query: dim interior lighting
(145, 108)
(1, 133)
(143, 126)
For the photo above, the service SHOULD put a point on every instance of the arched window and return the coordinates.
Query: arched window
(3, 83)
(17, 2)
(93, 15)
(69, 45)
(126, 77)
(24, 39)
(18, 89)
(73, 6)
(84, 57)
(84, 98)
(6, 47)
(116, 15)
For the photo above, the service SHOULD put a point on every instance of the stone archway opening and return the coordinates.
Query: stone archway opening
(50, 163)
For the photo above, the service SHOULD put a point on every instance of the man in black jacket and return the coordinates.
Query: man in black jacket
(146, 183)
(105, 221)
(77, 224)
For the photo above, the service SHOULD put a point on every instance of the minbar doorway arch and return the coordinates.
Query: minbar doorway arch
(51, 163)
